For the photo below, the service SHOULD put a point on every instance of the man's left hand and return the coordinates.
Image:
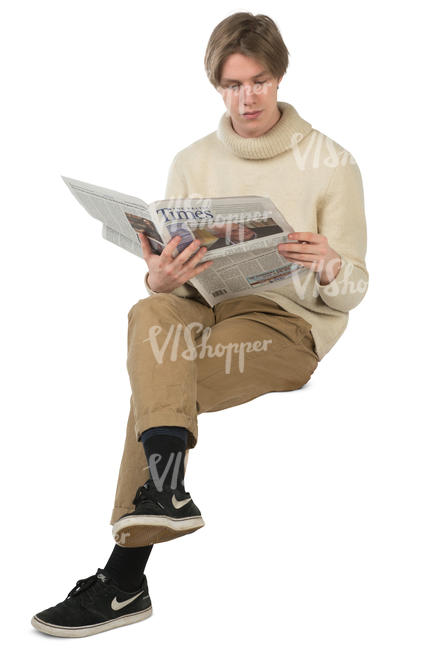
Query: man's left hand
(313, 251)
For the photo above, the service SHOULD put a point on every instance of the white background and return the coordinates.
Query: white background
(314, 500)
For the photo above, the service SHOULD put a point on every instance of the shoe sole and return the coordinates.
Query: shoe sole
(142, 530)
(86, 630)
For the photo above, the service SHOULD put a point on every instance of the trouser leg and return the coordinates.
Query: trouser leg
(273, 351)
(133, 470)
(260, 348)
(163, 382)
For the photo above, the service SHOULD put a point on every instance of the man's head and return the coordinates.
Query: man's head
(245, 61)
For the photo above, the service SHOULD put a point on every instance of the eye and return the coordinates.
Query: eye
(235, 86)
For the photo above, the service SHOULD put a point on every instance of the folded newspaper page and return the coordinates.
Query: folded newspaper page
(240, 233)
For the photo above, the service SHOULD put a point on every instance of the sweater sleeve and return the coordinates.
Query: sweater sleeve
(341, 218)
(177, 188)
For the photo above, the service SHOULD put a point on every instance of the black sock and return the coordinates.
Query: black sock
(126, 566)
(165, 451)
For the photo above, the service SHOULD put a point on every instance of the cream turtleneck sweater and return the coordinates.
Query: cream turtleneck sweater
(317, 186)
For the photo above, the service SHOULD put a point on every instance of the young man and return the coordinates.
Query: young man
(186, 358)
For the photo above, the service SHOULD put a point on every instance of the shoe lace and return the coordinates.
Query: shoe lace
(86, 588)
(149, 492)
(146, 492)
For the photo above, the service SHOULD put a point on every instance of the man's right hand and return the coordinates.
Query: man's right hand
(166, 273)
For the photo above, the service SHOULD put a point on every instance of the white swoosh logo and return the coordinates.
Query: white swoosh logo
(116, 605)
(178, 504)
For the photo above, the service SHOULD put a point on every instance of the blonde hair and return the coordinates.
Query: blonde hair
(256, 36)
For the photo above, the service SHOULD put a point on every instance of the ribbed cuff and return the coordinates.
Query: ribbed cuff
(344, 292)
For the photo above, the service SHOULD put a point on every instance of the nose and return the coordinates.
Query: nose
(246, 98)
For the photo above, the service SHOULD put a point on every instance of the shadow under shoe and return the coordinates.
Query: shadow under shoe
(159, 516)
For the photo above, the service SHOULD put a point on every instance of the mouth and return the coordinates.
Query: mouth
(252, 114)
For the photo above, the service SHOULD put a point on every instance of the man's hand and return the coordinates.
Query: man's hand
(166, 273)
(314, 252)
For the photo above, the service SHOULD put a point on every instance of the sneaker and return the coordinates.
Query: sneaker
(159, 516)
(95, 604)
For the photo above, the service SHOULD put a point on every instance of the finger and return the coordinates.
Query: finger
(304, 236)
(187, 252)
(295, 248)
(170, 247)
(196, 258)
(301, 258)
(146, 248)
(185, 272)
(199, 269)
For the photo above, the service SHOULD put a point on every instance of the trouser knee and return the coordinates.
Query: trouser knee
(160, 303)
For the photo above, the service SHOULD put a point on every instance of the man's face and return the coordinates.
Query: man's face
(246, 86)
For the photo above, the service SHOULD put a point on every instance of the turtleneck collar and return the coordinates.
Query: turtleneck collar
(286, 133)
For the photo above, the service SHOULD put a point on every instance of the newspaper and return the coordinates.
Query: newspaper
(240, 233)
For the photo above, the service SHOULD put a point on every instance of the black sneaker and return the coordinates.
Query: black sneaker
(95, 604)
(158, 517)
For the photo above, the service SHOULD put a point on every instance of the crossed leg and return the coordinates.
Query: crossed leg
(197, 359)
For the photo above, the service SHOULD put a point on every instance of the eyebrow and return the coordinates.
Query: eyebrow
(263, 72)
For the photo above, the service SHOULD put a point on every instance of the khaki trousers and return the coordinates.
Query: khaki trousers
(186, 358)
